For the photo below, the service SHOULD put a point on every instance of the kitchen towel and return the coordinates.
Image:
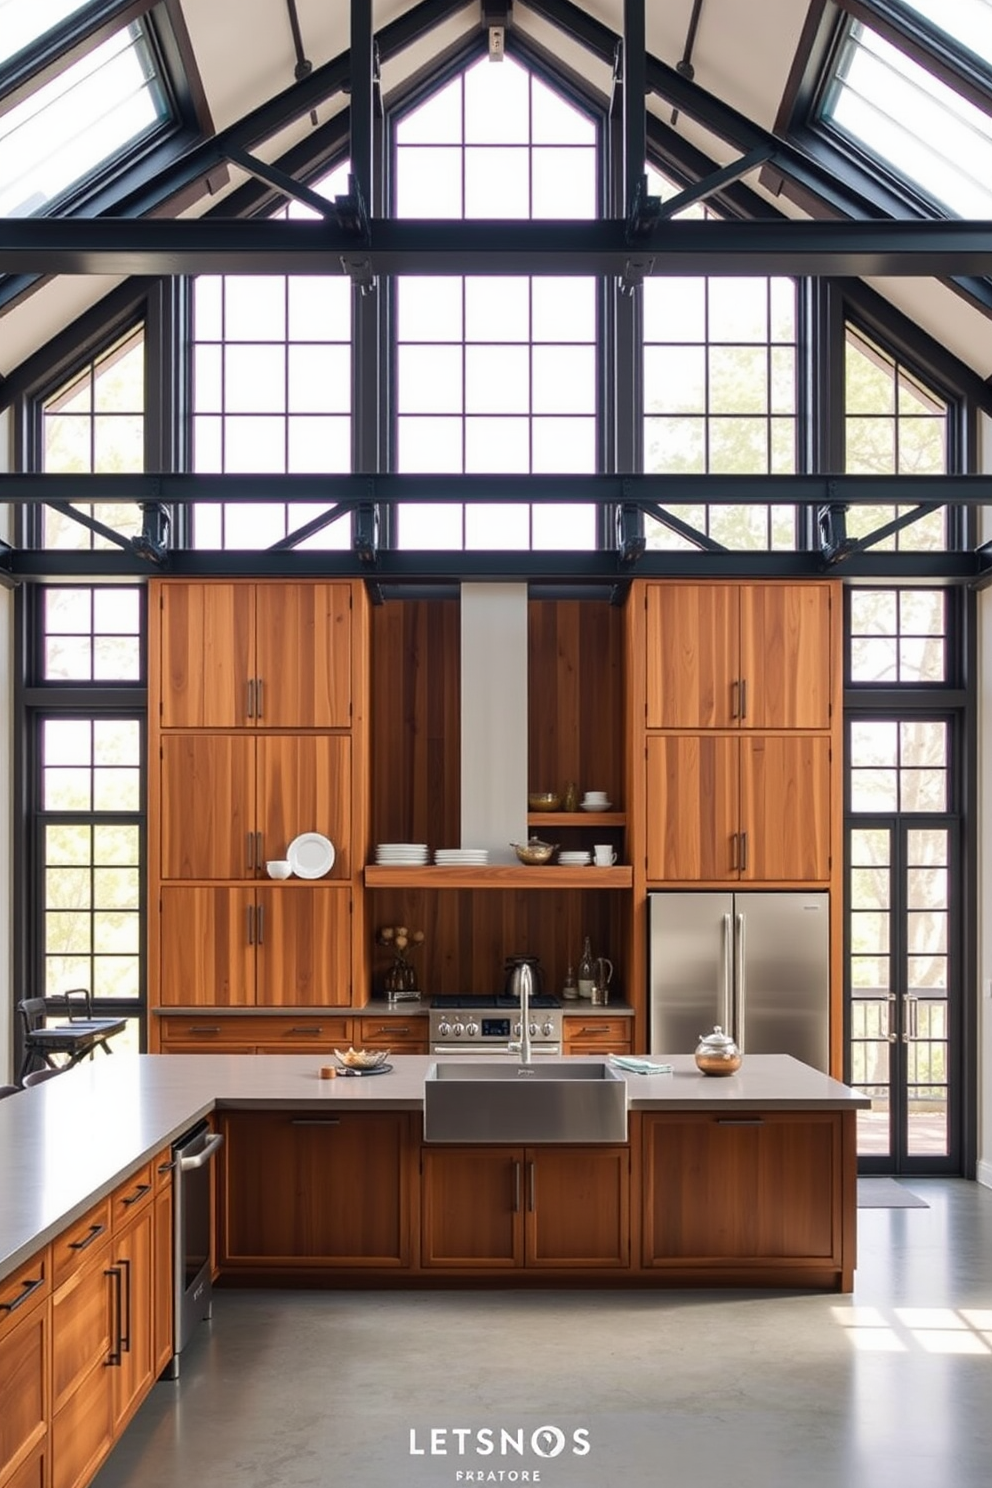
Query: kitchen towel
(640, 1066)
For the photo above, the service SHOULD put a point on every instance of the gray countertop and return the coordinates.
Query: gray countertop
(67, 1142)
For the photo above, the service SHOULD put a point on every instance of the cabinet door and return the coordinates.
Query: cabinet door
(24, 1365)
(208, 947)
(83, 1333)
(207, 806)
(304, 946)
(131, 1253)
(207, 654)
(785, 807)
(692, 807)
(692, 655)
(764, 1186)
(304, 785)
(578, 1206)
(162, 1280)
(303, 655)
(307, 1187)
(786, 655)
(472, 1207)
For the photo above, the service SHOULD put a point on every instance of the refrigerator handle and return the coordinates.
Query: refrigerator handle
(741, 988)
(728, 973)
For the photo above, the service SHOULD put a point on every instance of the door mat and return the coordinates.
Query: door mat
(886, 1193)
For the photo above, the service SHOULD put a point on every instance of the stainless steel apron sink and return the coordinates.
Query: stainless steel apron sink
(574, 1100)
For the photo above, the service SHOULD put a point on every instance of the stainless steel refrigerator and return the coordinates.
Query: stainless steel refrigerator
(756, 964)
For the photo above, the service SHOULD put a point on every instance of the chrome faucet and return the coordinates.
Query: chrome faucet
(525, 984)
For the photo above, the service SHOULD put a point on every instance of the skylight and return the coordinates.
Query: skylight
(966, 21)
(80, 121)
(25, 21)
(890, 106)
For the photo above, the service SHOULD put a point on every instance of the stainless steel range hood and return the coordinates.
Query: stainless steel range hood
(494, 718)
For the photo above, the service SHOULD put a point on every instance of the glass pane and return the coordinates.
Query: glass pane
(923, 790)
(968, 21)
(874, 742)
(429, 309)
(25, 21)
(923, 743)
(871, 846)
(926, 845)
(870, 888)
(78, 121)
(926, 888)
(874, 790)
(869, 932)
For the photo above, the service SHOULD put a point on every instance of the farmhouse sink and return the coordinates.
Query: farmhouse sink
(575, 1100)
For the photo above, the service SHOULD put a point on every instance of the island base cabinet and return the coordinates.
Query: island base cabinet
(314, 1188)
(132, 1257)
(750, 1190)
(525, 1207)
(24, 1371)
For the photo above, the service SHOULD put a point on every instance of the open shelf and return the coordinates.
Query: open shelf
(499, 876)
(576, 818)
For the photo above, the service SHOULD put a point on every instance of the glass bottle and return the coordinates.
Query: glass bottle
(569, 991)
(586, 971)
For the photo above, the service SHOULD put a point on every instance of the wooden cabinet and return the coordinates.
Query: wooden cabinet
(256, 655)
(24, 1373)
(229, 802)
(85, 1311)
(744, 1190)
(750, 656)
(727, 807)
(498, 1208)
(285, 945)
(132, 1258)
(162, 1259)
(252, 1034)
(315, 1188)
(594, 1034)
(404, 1035)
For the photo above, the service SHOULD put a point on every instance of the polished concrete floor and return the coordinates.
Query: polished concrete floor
(890, 1387)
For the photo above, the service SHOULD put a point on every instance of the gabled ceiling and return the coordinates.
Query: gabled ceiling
(743, 51)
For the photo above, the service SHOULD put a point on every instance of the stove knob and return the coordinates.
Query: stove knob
(516, 1029)
(472, 1029)
(533, 1030)
(458, 1030)
(443, 1028)
(547, 1028)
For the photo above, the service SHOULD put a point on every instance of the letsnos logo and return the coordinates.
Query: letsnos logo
(498, 1441)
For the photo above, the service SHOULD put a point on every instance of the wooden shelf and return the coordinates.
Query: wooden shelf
(576, 818)
(500, 876)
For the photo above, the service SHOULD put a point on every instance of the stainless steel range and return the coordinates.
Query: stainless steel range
(491, 1025)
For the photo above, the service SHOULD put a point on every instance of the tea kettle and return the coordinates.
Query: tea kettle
(514, 972)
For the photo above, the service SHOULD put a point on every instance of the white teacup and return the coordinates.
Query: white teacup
(592, 796)
(279, 868)
(604, 855)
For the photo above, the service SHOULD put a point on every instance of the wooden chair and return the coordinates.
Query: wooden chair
(80, 1036)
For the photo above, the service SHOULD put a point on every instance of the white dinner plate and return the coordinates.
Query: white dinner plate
(311, 855)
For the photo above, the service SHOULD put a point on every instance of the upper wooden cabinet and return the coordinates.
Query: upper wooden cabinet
(229, 802)
(255, 655)
(752, 656)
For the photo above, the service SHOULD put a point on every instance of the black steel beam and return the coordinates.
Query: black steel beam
(634, 121)
(362, 84)
(686, 247)
(664, 490)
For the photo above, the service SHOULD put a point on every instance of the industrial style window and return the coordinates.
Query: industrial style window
(898, 636)
(930, 136)
(92, 634)
(894, 425)
(74, 126)
(720, 393)
(95, 423)
(27, 21)
(271, 392)
(496, 375)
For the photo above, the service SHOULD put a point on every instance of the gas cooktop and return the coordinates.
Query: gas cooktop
(468, 1003)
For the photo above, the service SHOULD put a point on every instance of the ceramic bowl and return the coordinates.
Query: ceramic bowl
(544, 801)
(535, 852)
(279, 868)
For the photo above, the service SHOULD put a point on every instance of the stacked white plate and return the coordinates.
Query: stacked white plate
(461, 857)
(573, 859)
(401, 854)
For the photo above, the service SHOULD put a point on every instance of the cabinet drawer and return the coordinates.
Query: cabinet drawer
(597, 1031)
(20, 1291)
(71, 1248)
(241, 1035)
(132, 1195)
(24, 1368)
(408, 1034)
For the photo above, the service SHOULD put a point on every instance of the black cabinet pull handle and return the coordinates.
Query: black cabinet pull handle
(126, 1309)
(740, 1121)
(27, 1288)
(96, 1229)
(114, 1357)
(139, 1192)
(307, 1032)
(315, 1121)
(165, 1167)
(198, 1031)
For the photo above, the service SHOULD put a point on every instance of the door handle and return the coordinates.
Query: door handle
(94, 1231)
(139, 1192)
(251, 697)
(206, 1152)
(911, 1011)
(28, 1288)
(516, 1186)
(740, 1015)
(260, 913)
(735, 697)
(258, 697)
(743, 864)
(735, 851)
(531, 1186)
(126, 1307)
(250, 850)
(114, 1356)
(728, 972)
(743, 698)
(315, 1121)
(259, 853)
(251, 924)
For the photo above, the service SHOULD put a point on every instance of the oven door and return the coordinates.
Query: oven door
(192, 1251)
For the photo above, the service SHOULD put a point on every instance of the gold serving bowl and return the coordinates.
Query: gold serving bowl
(544, 801)
(535, 851)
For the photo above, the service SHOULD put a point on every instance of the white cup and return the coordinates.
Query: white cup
(279, 868)
(591, 796)
(604, 854)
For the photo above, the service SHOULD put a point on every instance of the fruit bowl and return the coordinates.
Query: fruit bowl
(362, 1058)
(544, 801)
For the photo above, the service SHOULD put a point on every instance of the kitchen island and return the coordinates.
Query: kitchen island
(709, 1171)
